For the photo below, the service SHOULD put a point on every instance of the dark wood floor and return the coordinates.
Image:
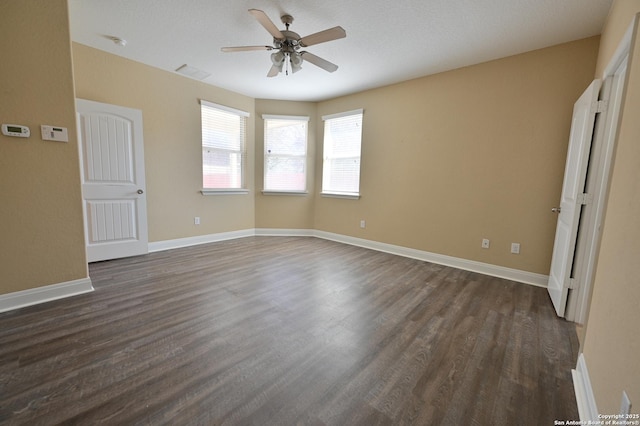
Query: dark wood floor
(285, 331)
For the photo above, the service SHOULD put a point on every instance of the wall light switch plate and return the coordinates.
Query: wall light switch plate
(54, 133)
(515, 248)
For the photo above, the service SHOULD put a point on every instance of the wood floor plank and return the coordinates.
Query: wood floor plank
(287, 330)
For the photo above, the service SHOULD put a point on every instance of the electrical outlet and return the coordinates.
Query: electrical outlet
(485, 243)
(515, 248)
(363, 224)
(625, 405)
(196, 220)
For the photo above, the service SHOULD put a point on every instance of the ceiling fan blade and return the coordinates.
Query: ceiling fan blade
(319, 62)
(245, 48)
(323, 36)
(267, 23)
(274, 71)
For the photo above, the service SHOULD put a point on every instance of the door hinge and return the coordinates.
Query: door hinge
(584, 199)
(572, 284)
(599, 106)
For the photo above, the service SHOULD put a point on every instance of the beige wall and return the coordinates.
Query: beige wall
(285, 211)
(172, 141)
(41, 233)
(473, 153)
(496, 136)
(612, 341)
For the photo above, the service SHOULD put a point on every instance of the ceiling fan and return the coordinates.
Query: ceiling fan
(287, 45)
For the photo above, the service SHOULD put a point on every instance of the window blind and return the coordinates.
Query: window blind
(223, 146)
(341, 153)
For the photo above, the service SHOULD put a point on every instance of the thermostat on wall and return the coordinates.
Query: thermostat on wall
(16, 130)
(54, 133)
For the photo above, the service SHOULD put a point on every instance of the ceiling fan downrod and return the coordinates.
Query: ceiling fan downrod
(286, 20)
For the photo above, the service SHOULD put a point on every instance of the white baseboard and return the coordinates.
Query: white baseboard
(273, 232)
(525, 277)
(584, 392)
(200, 239)
(34, 296)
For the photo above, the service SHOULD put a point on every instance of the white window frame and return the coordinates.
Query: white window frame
(267, 155)
(327, 156)
(242, 152)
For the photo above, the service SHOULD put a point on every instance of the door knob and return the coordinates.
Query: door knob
(556, 209)
(140, 191)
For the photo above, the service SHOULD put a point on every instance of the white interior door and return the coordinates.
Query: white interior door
(113, 184)
(584, 112)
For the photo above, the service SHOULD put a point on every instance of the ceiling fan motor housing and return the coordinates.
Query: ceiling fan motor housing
(290, 43)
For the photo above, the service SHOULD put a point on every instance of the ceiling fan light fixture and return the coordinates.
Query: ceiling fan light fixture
(277, 58)
(296, 62)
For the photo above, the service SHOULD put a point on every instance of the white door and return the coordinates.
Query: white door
(113, 184)
(584, 112)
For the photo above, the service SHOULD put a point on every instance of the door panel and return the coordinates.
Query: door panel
(113, 184)
(111, 221)
(584, 112)
(109, 151)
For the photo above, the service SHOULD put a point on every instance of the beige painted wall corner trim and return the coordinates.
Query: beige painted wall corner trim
(200, 239)
(34, 296)
(525, 277)
(584, 393)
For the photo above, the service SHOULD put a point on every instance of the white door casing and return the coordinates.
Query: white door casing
(584, 112)
(113, 180)
(597, 184)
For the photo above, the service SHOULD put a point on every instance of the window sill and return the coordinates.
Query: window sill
(270, 192)
(209, 191)
(340, 195)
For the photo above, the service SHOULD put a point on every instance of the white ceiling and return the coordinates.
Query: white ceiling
(387, 41)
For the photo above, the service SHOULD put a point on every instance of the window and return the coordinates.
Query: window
(285, 153)
(341, 154)
(223, 148)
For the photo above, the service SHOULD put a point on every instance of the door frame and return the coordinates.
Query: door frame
(605, 136)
